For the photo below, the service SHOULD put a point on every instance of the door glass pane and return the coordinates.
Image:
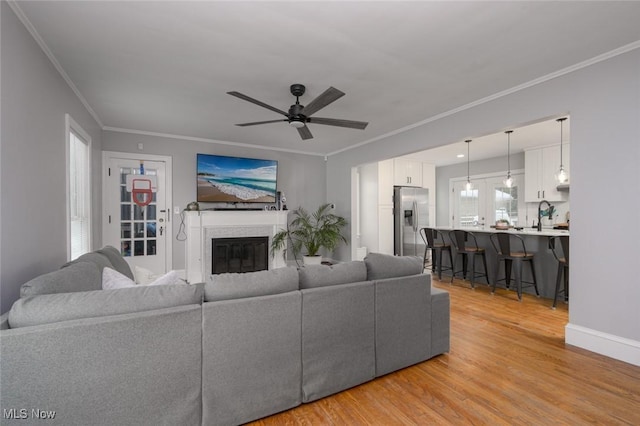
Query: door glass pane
(125, 248)
(151, 212)
(469, 209)
(125, 230)
(125, 212)
(151, 229)
(506, 204)
(138, 248)
(139, 230)
(151, 247)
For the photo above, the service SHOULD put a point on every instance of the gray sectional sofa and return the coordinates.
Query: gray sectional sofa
(232, 350)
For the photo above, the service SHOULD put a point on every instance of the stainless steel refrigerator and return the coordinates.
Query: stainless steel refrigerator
(410, 213)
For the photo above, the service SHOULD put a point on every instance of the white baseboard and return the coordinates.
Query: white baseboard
(610, 345)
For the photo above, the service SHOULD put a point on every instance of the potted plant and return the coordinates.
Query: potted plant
(311, 232)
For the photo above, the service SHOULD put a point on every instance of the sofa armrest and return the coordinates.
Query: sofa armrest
(103, 371)
(403, 322)
(440, 321)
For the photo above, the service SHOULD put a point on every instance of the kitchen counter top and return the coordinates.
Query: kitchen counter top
(546, 232)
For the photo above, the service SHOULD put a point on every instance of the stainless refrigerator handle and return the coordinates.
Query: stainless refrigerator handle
(415, 216)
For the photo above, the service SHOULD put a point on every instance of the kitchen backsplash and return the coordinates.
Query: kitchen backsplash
(559, 216)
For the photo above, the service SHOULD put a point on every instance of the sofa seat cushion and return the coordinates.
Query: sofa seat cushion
(80, 276)
(251, 284)
(116, 259)
(52, 308)
(312, 276)
(381, 266)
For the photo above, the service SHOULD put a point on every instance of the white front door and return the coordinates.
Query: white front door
(141, 233)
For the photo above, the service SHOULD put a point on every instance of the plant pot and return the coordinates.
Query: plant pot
(312, 260)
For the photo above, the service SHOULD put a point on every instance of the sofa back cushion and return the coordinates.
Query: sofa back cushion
(116, 259)
(250, 284)
(312, 276)
(52, 308)
(79, 276)
(381, 266)
(99, 260)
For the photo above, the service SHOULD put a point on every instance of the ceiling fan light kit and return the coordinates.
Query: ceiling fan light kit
(298, 115)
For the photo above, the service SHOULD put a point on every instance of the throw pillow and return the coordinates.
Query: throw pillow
(112, 280)
(144, 276)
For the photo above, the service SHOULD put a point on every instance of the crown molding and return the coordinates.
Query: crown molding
(608, 55)
(29, 26)
(206, 140)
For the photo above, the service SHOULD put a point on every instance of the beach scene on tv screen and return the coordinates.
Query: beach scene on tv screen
(236, 180)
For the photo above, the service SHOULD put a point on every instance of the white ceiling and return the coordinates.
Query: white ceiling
(165, 67)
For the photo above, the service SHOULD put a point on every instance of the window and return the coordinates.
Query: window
(78, 190)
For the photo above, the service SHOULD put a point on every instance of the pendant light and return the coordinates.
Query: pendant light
(508, 182)
(561, 175)
(468, 185)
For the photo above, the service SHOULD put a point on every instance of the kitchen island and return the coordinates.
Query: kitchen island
(546, 265)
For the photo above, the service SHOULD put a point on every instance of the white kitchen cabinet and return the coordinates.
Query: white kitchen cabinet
(540, 167)
(385, 229)
(376, 207)
(407, 172)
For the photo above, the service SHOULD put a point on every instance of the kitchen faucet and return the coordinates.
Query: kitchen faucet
(549, 213)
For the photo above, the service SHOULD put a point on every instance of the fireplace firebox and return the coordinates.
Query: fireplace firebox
(245, 254)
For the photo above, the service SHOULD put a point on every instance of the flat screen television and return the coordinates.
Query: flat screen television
(224, 179)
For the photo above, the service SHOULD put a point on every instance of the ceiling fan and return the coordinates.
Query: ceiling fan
(299, 115)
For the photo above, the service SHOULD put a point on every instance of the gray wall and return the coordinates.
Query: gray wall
(444, 174)
(604, 102)
(301, 177)
(35, 99)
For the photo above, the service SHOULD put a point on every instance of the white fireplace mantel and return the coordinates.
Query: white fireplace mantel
(201, 226)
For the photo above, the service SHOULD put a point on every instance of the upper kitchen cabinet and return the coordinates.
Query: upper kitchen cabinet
(540, 166)
(407, 172)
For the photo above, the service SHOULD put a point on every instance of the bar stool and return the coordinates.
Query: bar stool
(466, 245)
(503, 244)
(562, 256)
(433, 242)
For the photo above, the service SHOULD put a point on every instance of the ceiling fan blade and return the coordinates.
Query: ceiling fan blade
(261, 122)
(328, 96)
(255, 101)
(305, 133)
(338, 122)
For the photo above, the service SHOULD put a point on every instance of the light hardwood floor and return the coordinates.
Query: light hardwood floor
(508, 365)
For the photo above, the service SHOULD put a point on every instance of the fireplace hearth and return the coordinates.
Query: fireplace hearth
(245, 254)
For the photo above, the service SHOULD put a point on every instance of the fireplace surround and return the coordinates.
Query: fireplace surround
(202, 227)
